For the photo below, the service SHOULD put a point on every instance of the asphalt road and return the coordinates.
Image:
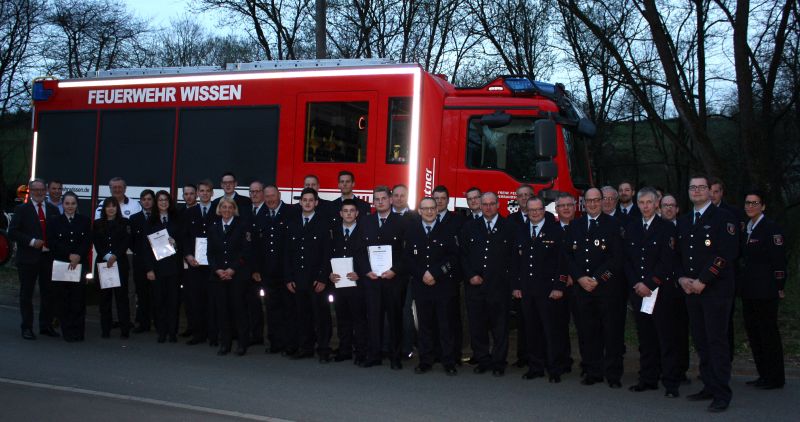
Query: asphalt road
(138, 379)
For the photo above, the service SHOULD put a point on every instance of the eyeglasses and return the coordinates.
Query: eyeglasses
(751, 204)
(592, 200)
(700, 188)
(609, 199)
(565, 205)
(668, 205)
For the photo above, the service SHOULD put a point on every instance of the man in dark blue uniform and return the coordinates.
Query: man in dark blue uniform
(307, 253)
(540, 268)
(708, 245)
(196, 222)
(142, 286)
(346, 182)
(385, 292)
(594, 251)
(486, 252)
(431, 253)
(255, 307)
(649, 245)
(228, 184)
(627, 205)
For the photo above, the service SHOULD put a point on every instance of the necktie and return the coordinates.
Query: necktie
(69, 220)
(255, 210)
(305, 221)
(525, 219)
(346, 234)
(489, 227)
(533, 232)
(383, 221)
(146, 215)
(204, 211)
(477, 216)
(428, 229)
(645, 226)
(42, 223)
(438, 218)
(592, 224)
(624, 211)
(164, 219)
(697, 216)
(225, 228)
(272, 213)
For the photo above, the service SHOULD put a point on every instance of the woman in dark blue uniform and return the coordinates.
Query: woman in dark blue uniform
(69, 237)
(163, 273)
(762, 277)
(229, 259)
(111, 237)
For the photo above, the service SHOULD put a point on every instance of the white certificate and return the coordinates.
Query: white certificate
(380, 258)
(648, 303)
(159, 242)
(342, 267)
(201, 250)
(109, 277)
(61, 272)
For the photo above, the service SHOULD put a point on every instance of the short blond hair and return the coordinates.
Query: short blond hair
(224, 200)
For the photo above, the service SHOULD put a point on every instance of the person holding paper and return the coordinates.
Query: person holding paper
(384, 289)
(649, 257)
(197, 222)
(70, 240)
(28, 228)
(540, 279)
(230, 264)
(307, 253)
(163, 273)
(351, 320)
(111, 237)
(431, 255)
(138, 221)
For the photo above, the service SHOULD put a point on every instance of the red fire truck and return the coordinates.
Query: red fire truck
(387, 123)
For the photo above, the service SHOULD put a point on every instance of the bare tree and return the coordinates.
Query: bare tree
(19, 22)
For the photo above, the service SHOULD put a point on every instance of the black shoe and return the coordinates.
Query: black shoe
(342, 358)
(224, 350)
(241, 351)
(257, 341)
(141, 329)
(124, 335)
(186, 333)
(422, 368)
(521, 363)
(700, 396)
(615, 384)
(450, 370)
(638, 388)
(396, 365)
(274, 350)
(195, 341)
(358, 360)
(27, 334)
(472, 361)
(49, 332)
(717, 406)
(532, 375)
(173, 338)
(69, 339)
(324, 359)
(480, 369)
(289, 353)
(755, 382)
(105, 335)
(588, 380)
(370, 363)
(213, 343)
(554, 379)
(769, 386)
(672, 394)
(499, 372)
(301, 355)
(162, 338)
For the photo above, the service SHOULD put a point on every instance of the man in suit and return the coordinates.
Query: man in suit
(228, 184)
(669, 212)
(34, 260)
(196, 222)
(255, 308)
(649, 246)
(486, 251)
(565, 210)
(524, 192)
(271, 227)
(346, 183)
(189, 194)
(400, 206)
(307, 253)
(627, 206)
(594, 251)
(473, 211)
(431, 254)
(138, 220)
(540, 279)
(385, 291)
(708, 243)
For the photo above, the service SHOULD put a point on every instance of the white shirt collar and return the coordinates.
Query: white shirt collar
(703, 209)
(650, 221)
(752, 226)
(493, 221)
(228, 222)
(400, 211)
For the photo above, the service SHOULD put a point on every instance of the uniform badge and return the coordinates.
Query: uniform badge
(574, 247)
(415, 251)
(596, 242)
(247, 236)
(672, 243)
(708, 242)
(731, 229)
(777, 239)
(603, 246)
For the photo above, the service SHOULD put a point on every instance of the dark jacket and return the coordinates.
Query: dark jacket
(437, 253)
(762, 266)
(25, 226)
(269, 240)
(540, 265)
(307, 251)
(596, 253)
(65, 238)
(232, 249)
(650, 256)
(171, 265)
(112, 237)
(391, 233)
(488, 255)
(708, 250)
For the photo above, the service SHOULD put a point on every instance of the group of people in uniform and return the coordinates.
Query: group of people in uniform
(627, 251)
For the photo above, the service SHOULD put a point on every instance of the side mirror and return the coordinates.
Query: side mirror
(546, 170)
(586, 127)
(545, 135)
(496, 119)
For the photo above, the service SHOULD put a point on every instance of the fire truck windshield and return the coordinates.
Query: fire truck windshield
(510, 148)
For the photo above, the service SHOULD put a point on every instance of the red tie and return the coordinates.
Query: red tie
(43, 223)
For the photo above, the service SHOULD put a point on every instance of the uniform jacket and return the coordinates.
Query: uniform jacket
(171, 265)
(269, 240)
(762, 266)
(708, 250)
(488, 255)
(112, 237)
(391, 233)
(650, 256)
(540, 264)
(596, 253)
(437, 253)
(65, 238)
(232, 249)
(307, 251)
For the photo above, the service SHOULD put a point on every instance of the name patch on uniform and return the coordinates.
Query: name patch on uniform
(777, 239)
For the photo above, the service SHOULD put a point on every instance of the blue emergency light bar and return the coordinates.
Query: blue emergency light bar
(39, 93)
(519, 85)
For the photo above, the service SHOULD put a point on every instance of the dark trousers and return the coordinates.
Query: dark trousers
(658, 349)
(165, 304)
(519, 318)
(185, 300)
(120, 295)
(29, 274)
(488, 314)
(681, 327)
(458, 326)
(351, 321)
(255, 312)
(197, 298)
(384, 301)
(410, 335)
(600, 320)
(313, 321)
(435, 314)
(281, 316)
(548, 332)
(142, 286)
(70, 304)
(231, 310)
(708, 317)
(761, 323)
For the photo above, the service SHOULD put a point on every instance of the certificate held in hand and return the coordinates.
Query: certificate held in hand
(161, 245)
(109, 276)
(342, 267)
(61, 272)
(380, 258)
(201, 250)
